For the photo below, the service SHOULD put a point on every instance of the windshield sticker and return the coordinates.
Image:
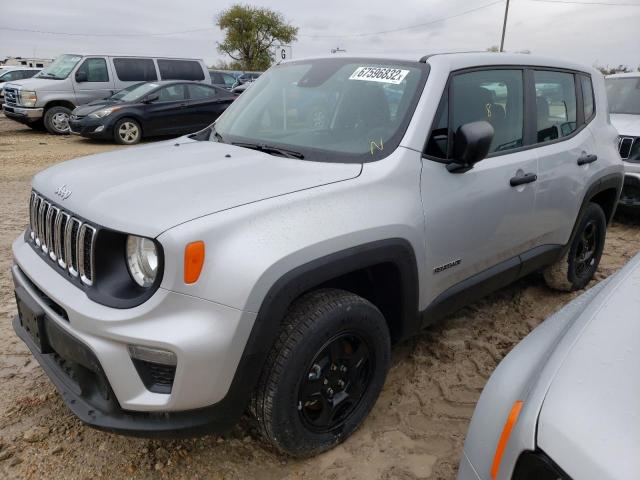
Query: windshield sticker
(374, 146)
(379, 74)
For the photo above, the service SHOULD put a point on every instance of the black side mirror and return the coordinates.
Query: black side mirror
(151, 98)
(471, 144)
(81, 76)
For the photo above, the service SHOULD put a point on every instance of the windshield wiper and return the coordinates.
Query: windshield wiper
(270, 149)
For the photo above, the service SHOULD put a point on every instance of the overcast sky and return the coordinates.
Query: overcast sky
(602, 34)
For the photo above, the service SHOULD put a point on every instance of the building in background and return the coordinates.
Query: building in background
(26, 62)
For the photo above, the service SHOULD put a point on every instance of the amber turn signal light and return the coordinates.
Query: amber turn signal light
(193, 261)
(504, 437)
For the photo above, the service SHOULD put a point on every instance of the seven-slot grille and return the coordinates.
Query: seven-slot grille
(65, 239)
(624, 146)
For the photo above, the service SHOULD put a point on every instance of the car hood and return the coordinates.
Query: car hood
(589, 423)
(84, 110)
(626, 124)
(148, 189)
(40, 84)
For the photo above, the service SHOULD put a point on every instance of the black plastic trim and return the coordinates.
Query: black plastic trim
(112, 285)
(529, 463)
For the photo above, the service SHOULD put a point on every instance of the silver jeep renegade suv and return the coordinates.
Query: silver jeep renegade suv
(339, 205)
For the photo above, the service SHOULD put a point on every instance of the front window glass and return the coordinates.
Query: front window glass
(494, 96)
(624, 95)
(555, 105)
(327, 109)
(95, 70)
(172, 93)
(61, 67)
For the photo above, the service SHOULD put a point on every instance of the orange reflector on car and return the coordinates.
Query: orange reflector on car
(193, 261)
(504, 437)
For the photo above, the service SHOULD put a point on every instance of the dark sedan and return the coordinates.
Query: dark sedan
(151, 109)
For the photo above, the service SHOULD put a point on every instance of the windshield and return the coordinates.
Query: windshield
(342, 110)
(133, 92)
(61, 67)
(624, 95)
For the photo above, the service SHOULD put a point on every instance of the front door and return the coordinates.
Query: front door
(478, 222)
(168, 114)
(91, 81)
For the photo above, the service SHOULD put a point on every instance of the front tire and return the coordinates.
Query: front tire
(578, 265)
(324, 373)
(127, 131)
(56, 120)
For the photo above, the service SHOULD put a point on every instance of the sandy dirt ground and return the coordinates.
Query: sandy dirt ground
(416, 429)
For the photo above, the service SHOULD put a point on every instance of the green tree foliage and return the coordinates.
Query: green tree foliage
(250, 32)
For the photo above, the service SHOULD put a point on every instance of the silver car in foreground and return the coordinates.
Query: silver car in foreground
(564, 403)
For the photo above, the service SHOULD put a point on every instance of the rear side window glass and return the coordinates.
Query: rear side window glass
(587, 97)
(96, 69)
(135, 69)
(172, 93)
(201, 92)
(180, 70)
(495, 96)
(555, 105)
(439, 137)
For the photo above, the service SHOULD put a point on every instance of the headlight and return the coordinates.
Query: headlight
(28, 98)
(142, 260)
(104, 112)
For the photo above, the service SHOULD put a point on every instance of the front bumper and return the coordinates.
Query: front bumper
(630, 196)
(86, 127)
(21, 114)
(207, 338)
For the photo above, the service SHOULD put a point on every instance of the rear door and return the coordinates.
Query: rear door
(478, 222)
(563, 144)
(168, 114)
(131, 70)
(92, 80)
(205, 104)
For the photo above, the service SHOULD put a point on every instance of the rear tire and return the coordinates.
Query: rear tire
(578, 265)
(127, 131)
(56, 120)
(323, 374)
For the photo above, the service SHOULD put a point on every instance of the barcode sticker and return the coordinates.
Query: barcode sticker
(379, 74)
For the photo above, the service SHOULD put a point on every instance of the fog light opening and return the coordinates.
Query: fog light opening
(153, 355)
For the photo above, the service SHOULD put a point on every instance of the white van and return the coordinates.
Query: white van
(73, 80)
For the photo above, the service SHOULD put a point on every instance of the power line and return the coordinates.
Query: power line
(70, 34)
(383, 32)
(589, 3)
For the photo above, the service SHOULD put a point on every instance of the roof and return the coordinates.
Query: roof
(457, 60)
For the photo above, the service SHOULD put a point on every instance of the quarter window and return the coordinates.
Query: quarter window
(96, 70)
(495, 96)
(555, 105)
(135, 69)
(180, 70)
(587, 97)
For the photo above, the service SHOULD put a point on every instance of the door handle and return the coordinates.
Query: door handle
(522, 179)
(587, 158)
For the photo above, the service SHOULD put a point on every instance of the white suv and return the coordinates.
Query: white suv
(623, 90)
(337, 207)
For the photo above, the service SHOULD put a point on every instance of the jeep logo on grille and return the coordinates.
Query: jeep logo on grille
(63, 192)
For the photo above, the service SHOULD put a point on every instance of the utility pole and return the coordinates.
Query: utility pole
(504, 25)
